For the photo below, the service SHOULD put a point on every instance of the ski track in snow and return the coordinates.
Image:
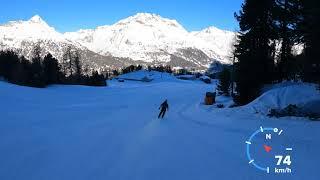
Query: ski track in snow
(113, 133)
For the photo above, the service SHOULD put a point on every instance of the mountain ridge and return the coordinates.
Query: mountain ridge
(142, 38)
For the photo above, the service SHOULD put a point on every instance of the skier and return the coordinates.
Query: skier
(164, 107)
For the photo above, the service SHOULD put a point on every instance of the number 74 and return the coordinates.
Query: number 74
(283, 160)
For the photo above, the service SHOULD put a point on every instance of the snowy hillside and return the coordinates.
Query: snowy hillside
(77, 132)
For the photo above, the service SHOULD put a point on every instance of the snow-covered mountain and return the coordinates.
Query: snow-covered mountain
(216, 43)
(150, 37)
(23, 36)
(140, 39)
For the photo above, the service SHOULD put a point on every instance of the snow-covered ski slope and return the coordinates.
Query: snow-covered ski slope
(112, 133)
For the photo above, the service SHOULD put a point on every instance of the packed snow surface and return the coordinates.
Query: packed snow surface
(77, 132)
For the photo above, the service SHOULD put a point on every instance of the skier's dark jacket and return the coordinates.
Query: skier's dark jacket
(164, 106)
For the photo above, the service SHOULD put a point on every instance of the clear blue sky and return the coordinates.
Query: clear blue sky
(72, 15)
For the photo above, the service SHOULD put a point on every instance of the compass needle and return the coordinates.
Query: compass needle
(267, 148)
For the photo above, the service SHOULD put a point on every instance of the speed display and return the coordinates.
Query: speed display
(266, 152)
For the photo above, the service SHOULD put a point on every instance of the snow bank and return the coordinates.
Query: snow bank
(280, 96)
(312, 107)
(205, 77)
(186, 77)
(156, 76)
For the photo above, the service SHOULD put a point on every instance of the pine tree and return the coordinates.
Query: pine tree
(224, 82)
(38, 78)
(255, 64)
(21, 72)
(310, 28)
(51, 69)
(287, 15)
(8, 62)
(115, 73)
(97, 79)
(71, 65)
(77, 64)
(67, 62)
